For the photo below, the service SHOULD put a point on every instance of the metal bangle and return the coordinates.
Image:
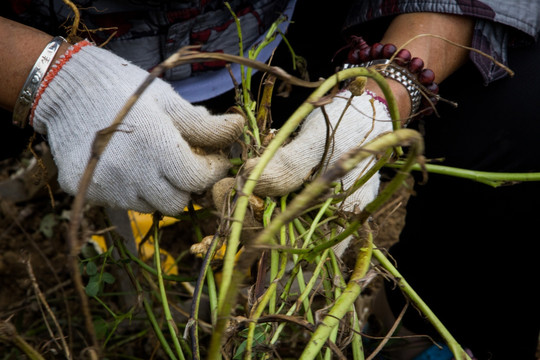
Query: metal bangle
(25, 99)
(401, 75)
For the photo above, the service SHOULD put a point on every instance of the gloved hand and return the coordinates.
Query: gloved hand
(365, 119)
(150, 163)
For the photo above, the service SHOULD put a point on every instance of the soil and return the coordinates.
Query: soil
(33, 222)
(33, 225)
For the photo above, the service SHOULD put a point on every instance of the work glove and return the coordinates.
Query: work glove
(155, 159)
(364, 119)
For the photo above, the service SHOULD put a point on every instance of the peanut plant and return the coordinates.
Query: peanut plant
(300, 292)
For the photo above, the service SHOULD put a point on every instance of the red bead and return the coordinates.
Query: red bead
(388, 50)
(428, 103)
(416, 65)
(357, 42)
(358, 56)
(376, 51)
(403, 57)
(365, 54)
(426, 77)
(353, 57)
(433, 88)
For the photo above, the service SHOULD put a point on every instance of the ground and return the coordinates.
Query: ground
(33, 224)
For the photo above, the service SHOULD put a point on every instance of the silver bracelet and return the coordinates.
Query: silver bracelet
(401, 75)
(24, 102)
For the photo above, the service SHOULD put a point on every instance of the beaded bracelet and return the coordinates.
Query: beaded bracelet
(400, 66)
(31, 85)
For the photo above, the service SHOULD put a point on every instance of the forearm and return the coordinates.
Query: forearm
(20, 46)
(440, 56)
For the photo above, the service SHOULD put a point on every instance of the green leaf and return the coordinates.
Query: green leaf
(240, 351)
(101, 327)
(108, 278)
(91, 268)
(258, 339)
(92, 289)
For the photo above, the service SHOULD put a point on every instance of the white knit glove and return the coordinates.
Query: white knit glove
(149, 163)
(365, 119)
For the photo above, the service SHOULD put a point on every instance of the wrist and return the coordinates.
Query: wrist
(27, 95)
(441, 56)
(404, 74)
(61, 58)
(21, 46)
(400, 94)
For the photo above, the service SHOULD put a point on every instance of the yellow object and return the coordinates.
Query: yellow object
(220, 254)
(140, 225)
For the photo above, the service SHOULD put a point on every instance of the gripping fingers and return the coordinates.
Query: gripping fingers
(202, 129)
(285, 172)
(165, 197)
(194, 172)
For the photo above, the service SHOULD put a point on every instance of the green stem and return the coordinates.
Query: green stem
(240, 40)
(212, 294)
(383, 196)
(228, 289)
(265, 299)
(303, 298)
(204, 273)
(336, 273)
(268, 38)
(454, 346)
(315, 223)
(317, 187)
(356, 343)
(295, 273)
(147, 307)
(153, 271)
(246, 82)
(157, 329)
(168, 316)
(494, 179)
(8, 333)
(342, 304)
(274, 255)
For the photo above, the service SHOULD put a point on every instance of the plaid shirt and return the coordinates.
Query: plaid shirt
(147, 32)
(500, 24)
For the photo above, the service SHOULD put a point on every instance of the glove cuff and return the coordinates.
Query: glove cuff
(53, 71)
(378, 98)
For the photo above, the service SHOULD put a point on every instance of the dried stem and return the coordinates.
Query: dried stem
(72, 36)
(9, 333)
(491, 58)
(390, 333)
(43, 302)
